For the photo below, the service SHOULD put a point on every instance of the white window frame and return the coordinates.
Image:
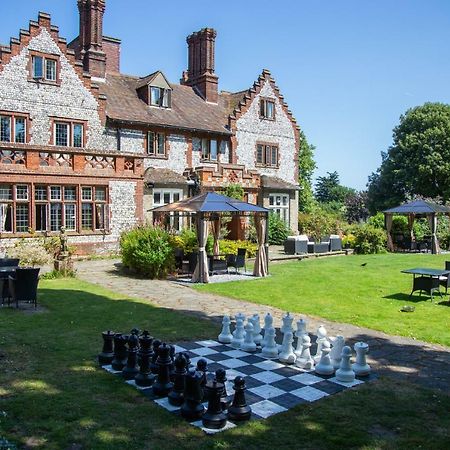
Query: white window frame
(175, 218)
(283, 208)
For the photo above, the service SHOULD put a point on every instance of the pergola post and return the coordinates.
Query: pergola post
(266, 242)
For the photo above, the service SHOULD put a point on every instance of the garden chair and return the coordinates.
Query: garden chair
(9, 262)
(179, 257)
(444, 280)
(237, 261)
(23, 285)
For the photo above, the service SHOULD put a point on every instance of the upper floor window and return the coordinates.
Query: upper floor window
(44, 68)
(267, 155)
(210, 149)
(68, 134)
(267, 109)
(160, 97)
(13, 128)
(156, 144)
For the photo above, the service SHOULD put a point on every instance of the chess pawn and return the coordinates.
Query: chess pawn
(239, 410)
(163, 385)
(360, 367)
(345, 372)
(130, 370)
(175, 396)
(257, 336)
(145, 377)
(306, 361)
(268, 323)
(336, 350)
(239, 316)
(325, 367)
(238, 337)
(270, 350)
(120, 352)
(153, 364)
(287, 354)
(214, 417)
(225, 336)
(107, 354)
(321, 338)
(192, 408)
(249, 344)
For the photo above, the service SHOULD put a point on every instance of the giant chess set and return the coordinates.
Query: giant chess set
(243, 375)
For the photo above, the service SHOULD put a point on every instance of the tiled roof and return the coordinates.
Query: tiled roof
(163, 176)
(188, 111)
(277, 183)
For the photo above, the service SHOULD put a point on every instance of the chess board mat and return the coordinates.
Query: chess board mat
(271, 386)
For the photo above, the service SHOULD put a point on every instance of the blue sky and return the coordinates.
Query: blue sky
(347, 68)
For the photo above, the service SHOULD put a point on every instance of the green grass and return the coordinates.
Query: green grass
(53, 395)
(342, 290)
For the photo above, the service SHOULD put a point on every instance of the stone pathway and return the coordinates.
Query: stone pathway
(395, 356)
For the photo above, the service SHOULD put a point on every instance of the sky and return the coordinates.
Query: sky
(347, 68)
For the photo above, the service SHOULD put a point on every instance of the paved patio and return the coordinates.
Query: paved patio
(393, 356)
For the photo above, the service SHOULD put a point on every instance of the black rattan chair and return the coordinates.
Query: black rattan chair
(237, 261)
(23, 286)
(9, 262)
(444, 280)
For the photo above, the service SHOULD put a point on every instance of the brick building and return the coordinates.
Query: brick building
(86, 147)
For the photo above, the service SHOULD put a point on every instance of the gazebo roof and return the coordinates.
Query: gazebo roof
(419, 207)
(211, 202)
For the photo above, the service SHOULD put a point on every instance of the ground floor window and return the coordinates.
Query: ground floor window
(279, 204)
(163, 197)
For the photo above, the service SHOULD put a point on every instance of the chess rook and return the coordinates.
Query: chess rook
(107, 354)
(360, 367)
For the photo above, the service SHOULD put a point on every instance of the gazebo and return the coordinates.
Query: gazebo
(211, 207)
(417, 208)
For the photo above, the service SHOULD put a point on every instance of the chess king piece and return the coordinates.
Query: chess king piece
(345, 372)
(145, 377)
(321, 338)
(270, 350)
(107, 354)
(268, 323)
(299, 333)
(225, 337)
(249, 344)
(192, 408)
(336, 350)
(120, 351)
(162, 386)
(130, 370)
(153, 365)
(239, 410)
(287, 354)
(221, 377)
(238, 316)
(360, 367)
(287, 323)
(214, 417)
(257, 336)
(306, 361)
(238, 337)
(176, 395)
(325, 367)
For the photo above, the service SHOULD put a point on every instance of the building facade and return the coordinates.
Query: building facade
(86, 147)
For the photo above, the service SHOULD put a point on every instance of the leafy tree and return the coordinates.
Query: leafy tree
(418, 162)
(356, 207)
(234, 190)
(329, 189)
(306, 167)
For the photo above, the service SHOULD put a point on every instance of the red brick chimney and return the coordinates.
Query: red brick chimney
(200, 73)
(91, 36)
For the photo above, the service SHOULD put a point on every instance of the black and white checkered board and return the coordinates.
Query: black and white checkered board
(272, 387)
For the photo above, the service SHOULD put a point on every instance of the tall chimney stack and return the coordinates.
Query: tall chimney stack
(91, 36)
(200, 73)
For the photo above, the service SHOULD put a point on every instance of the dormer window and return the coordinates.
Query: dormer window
(44, 68)
(160, 97)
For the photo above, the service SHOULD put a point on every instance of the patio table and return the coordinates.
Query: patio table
(427, 280)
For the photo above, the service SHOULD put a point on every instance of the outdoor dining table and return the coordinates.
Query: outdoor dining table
(426, 280)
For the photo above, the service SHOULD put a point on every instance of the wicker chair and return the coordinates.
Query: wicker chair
(23, 286)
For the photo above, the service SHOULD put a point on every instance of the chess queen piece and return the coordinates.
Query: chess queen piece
(336, 350)
(130, 370)
(299, 333)
(321, 338)
(214, 417)
(225, 337)
(238, 337)
(360, 367)
(163, 385)
(176, 395)
(238, 316)
(120, 352)
(257, 336)
(268, 323)
(287, 354)
(192, 408)
(239, 410)
(107, 354)
(325, 367)
(306, 361)
(270, 350)
(249, 344)
(145, 377)
(345, 372)
(287, 323)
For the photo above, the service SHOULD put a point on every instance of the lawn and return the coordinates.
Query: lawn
(53, 395)
(363, 290)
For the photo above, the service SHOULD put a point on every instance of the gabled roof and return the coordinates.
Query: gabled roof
(154, 79)
(419, 207)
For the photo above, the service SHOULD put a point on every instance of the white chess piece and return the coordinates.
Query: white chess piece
(300, 332)
(270, 349)
(306, 361)
(325, 367)
(360, 367)
(238, 337)
(287, 323)
(225, 336)
(345, 372)
(287, 354)
(321, 338)
(336, 350)
(249, 344)
(239, 316)
(268, 323)
(257, 336)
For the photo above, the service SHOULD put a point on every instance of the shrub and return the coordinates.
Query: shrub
(148, 251)
(278, 230)
(319, 223)
(187, 241)
(234, 190)
(377, 220)
(369, 239)
(348, 241)
(228, 247)
(56, 274)
(31, 252)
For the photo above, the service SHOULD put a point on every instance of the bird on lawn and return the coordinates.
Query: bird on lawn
(363, 264)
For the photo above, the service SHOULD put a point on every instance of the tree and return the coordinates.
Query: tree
(329, 189)
(234, 190)
(356, 207)
(306, 167)
(418, 162)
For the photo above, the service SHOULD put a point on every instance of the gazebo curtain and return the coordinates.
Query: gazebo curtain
(432, 221)
(411, 218)
(260, 269)
(201, 274)
(390, 243)
(215, 225)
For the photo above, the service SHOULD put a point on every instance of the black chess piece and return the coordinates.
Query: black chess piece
(163, 385)
(188, 359)
(202, 367)
(130, 370)
(145, 377)
(214, 417)
(239, 410)
(192, 408)
(153, 365)
(175, 396)
(107, 354)
(225, 399)
(120, 351)
(172, 365)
